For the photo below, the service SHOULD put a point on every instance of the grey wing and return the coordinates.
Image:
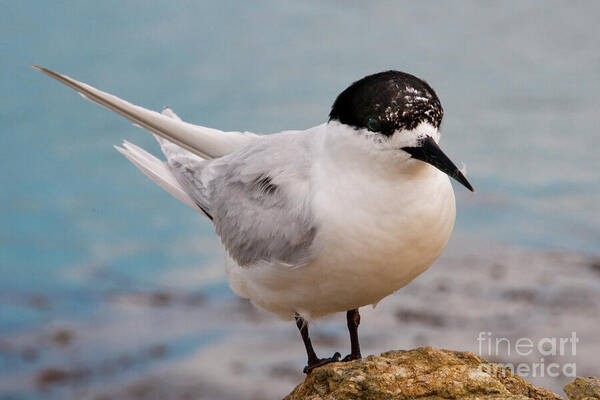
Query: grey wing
(259, 199)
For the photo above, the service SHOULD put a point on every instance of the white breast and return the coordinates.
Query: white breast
(379, 232)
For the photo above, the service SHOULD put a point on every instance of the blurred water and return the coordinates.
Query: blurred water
(519, 82)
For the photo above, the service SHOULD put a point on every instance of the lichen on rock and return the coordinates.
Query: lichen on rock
(583, 389)
(424, 373)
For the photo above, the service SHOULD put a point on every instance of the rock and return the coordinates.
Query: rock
(63, 337)
(53, 376)
(424, 373)
(49, 376)
(583, 389)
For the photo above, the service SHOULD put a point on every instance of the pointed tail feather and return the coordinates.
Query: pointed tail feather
(170, 113)
(158, 171)
(205, 142)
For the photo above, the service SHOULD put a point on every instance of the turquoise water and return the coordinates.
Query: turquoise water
(519, 82)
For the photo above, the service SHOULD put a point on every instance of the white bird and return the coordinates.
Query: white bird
(318, 221)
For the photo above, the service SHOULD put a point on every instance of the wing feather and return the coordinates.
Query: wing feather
(205, 142)
(260, 201)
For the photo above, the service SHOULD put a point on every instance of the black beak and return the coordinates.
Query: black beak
(431, 153)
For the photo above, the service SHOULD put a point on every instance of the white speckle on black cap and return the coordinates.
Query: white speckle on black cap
(387, 102)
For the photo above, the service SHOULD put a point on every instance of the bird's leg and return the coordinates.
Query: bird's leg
(353, 319)
(313, 360)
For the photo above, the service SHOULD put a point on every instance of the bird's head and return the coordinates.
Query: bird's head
(402, 113)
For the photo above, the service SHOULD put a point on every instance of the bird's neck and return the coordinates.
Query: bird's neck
(342, 148)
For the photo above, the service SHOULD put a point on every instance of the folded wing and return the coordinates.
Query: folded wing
(260, 199)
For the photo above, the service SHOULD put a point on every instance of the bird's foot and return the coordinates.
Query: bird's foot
(321, 361)
(352, 357)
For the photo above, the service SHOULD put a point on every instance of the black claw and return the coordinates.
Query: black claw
(352, 357)
(322, 361)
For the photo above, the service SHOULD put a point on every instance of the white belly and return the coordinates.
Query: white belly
(371, 242)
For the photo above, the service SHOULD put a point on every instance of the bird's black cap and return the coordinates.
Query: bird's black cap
(386, 102)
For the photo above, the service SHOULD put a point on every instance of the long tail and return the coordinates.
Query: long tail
(205, 142)
(176, 138)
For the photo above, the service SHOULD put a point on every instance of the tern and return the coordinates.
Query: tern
(316, 221)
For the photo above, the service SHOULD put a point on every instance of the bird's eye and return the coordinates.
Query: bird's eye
(372, 124)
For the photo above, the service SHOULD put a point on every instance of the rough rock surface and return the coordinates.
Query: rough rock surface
(583, 389)
(424, 373)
